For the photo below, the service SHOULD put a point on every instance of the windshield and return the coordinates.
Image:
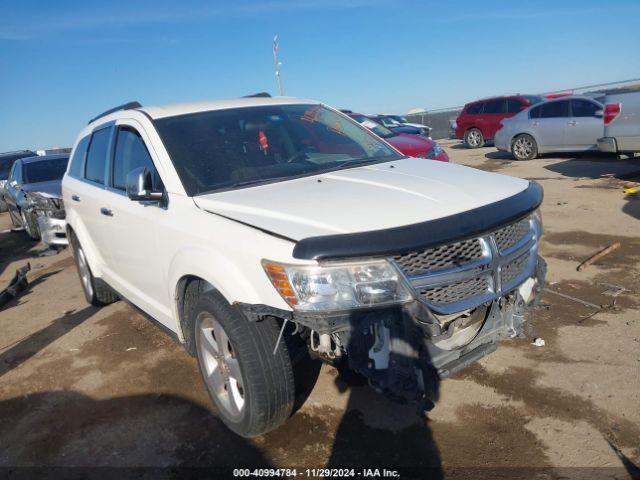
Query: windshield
(390, 122)
(44, 170)
(375, 127)
(226, 149)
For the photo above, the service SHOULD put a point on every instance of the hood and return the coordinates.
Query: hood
(411, 145)
(361, 199)
(51, 189)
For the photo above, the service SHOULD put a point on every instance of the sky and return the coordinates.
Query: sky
(63, 62)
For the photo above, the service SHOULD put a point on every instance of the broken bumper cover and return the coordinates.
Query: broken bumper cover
(53, 230)
(405, 350)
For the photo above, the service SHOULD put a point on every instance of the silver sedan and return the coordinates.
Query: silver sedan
(568, 124)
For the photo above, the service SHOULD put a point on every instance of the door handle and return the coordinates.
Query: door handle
(75, 198)
(106, 211)
(535, 124)
(572, 122)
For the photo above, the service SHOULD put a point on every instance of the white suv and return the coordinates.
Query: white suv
(248, 227)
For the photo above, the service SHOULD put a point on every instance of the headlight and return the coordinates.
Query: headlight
(342, 286)
(536, 216)
(434, 152)
(39, 202)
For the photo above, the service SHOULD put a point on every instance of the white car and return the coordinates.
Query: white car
(249, 227)
(567, 124)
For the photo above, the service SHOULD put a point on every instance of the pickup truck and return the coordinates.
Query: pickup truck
(621, 123)
(251, 227)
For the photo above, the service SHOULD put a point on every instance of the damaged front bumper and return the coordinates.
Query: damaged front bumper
(53, 230)
(404, 351)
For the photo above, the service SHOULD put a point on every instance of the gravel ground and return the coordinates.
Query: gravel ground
(81, 386)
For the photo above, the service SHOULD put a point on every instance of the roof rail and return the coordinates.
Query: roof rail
(126, 106)
(259, 95)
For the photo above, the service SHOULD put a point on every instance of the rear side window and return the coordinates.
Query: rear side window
(514, 106)
(131, 153)
(97, 155)
(77, 160)
(494, 106)
(583, 108)
(554, 109)
(474, 108)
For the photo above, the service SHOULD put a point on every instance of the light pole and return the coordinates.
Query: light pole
(276, 63)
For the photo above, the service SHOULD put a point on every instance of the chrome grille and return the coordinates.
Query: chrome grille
(462, 275)
(512, 269)
(456, 292)
(509, 236)
(440, 258)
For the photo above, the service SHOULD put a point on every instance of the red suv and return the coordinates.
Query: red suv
(480, 120)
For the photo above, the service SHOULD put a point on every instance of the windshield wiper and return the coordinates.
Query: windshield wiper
(359, 162)
(246, 183)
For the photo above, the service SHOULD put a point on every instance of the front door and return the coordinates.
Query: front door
(584, 128)
(136, 270)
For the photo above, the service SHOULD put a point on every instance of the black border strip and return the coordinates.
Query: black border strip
(398, 240)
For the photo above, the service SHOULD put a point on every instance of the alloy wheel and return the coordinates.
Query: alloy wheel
(473, 138)
(85, 273)
(522, 148)
(220, 366)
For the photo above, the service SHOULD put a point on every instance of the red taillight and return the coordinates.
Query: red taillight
(611, 112)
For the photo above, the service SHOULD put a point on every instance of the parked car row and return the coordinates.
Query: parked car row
(409, 140)
(32, 193)
(528, 125)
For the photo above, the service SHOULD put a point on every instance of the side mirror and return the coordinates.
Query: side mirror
(599, 114)
(140, 186)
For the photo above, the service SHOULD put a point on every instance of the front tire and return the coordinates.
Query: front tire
(474, 138)
(30, 225)
(96, 291)
(252, 388)
(524, 147)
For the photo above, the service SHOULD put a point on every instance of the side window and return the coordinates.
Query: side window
(494, 106)
(555, 109)
(514, 106)
(583, 108)
(475, 108)
(97, 155)
(77, 160)
(131, 153)
(535, 112)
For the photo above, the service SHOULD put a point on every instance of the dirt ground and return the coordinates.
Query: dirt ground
(82, 386)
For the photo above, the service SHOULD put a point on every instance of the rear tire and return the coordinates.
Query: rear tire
(96, 291)
(524, 147)
(474, 138)
(252, 388)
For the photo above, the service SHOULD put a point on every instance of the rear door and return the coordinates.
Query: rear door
(492, 113)
(549, 122)
(584, 128)
(85, 194)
